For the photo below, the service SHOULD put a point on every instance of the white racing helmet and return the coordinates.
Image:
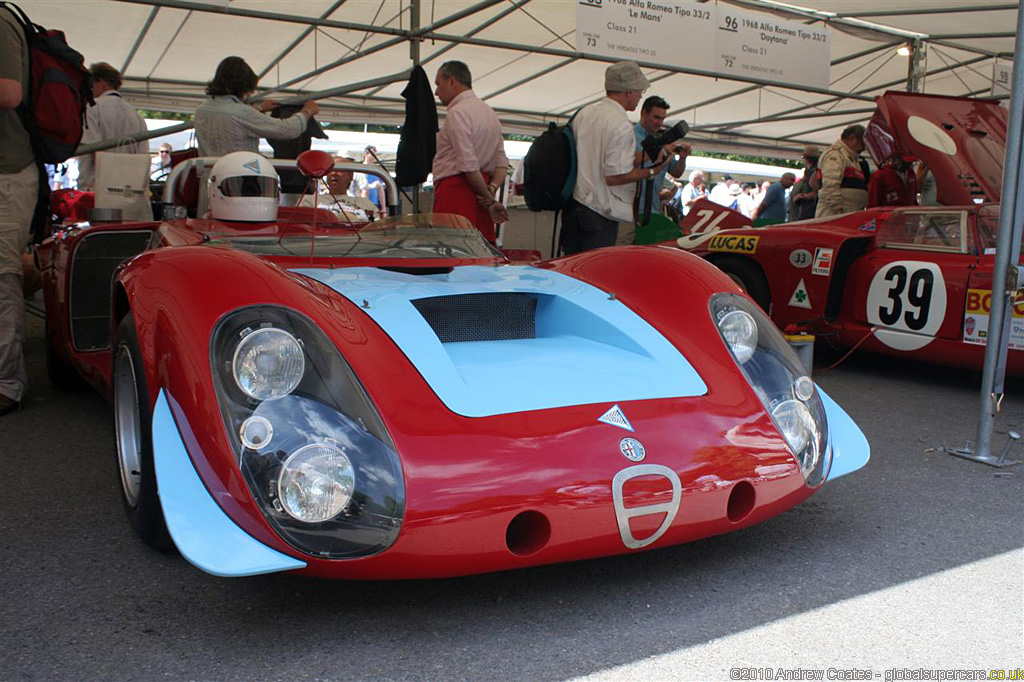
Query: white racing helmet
(243, 186)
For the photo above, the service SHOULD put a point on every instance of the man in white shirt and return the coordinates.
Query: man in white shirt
(722, 194)
(160, 167)
(606, 177)
(111, 118)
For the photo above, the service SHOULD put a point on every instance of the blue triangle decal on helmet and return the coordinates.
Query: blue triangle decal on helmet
(253, 165)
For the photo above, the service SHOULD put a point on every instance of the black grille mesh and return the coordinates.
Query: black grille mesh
(480, 317)
(92, 273)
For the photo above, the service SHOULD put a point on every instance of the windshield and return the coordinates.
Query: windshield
(422, 236)
(988, 229)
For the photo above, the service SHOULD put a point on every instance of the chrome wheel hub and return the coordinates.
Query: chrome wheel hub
(127, 426)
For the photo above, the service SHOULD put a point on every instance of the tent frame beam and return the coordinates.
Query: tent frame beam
(295, 43)
(138, 41)
(926, 10)
(773, 117)
(406, 35)
(557, 52)
(516, 4)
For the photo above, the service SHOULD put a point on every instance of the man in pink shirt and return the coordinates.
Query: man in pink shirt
(470, 163)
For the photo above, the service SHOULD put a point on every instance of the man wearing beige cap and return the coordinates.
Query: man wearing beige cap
(605, 177)
(803, 199)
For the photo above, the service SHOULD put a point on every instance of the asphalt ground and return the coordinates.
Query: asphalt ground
(914, 562)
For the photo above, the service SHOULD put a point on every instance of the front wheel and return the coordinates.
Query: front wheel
(748, 275)
(133, 428)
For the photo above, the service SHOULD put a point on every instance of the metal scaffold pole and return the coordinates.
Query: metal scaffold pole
(1008, 275)
(414, 54)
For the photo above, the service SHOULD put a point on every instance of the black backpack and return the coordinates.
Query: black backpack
(549, 173)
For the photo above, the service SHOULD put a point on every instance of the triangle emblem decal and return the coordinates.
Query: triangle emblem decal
(616, 417)
(800, 299)
(253, 165)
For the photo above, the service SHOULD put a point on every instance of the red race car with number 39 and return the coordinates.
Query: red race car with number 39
(911, 281)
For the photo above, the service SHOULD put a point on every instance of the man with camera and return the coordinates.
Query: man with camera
(605, 163)
(670, 156)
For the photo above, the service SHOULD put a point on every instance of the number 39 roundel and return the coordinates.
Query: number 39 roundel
(907, 299)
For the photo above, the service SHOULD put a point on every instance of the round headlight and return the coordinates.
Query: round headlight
(800, 431)
(740, 332)
(268, 363)
(256, 432)
(803, 387)
(316, 483)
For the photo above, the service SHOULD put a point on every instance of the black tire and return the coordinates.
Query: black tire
(749, 276)
(62, 375)
(134, 447)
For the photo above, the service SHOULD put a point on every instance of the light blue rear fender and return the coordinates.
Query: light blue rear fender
(850, 449)
(203, 533)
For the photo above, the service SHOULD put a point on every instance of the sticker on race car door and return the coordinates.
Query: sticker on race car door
(822, 261)
(908, 300)
(800, 299)
(800, 258)
(976, 318)
(704, 229)
(733, 243)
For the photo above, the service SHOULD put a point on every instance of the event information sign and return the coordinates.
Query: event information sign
(722, 39)
(1002, 76)
(665, 32)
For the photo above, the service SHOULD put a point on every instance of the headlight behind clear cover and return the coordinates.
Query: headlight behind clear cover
(267, 363)
(779, 380)
(308, 441)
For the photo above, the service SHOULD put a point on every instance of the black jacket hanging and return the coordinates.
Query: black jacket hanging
(418, 143)
(292, 181)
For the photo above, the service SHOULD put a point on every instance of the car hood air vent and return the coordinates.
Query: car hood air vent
(516, 338)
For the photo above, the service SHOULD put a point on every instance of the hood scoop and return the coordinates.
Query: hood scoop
(480, 317)
(494, 341)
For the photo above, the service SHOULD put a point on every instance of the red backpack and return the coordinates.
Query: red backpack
(60, 88)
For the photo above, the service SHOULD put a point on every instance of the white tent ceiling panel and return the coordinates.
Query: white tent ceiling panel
(82, 23)
(152, 50)
(179, 52)
(208, 38)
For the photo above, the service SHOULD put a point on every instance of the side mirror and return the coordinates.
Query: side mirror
(315, 163)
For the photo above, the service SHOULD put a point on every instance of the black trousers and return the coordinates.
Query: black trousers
(584, 229)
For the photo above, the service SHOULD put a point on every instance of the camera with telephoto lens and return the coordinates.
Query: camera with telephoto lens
(652, 144)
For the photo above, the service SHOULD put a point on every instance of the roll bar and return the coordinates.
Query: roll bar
(181, 171)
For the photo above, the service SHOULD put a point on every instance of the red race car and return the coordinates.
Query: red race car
(398, 400)
(910, 281)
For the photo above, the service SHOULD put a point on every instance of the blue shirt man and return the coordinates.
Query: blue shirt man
(652, 120)
(773, 207)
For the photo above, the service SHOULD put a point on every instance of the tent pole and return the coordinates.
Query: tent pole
(414, 54)
(915, 67)
(1007, 275)
(138, 41)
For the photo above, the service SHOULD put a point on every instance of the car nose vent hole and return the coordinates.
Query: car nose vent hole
(741, 501)
(527, 533)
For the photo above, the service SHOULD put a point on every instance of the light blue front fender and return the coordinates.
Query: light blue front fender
(203, 533)
(850, 449)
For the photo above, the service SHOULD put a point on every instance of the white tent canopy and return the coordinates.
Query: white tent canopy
(524, 58)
